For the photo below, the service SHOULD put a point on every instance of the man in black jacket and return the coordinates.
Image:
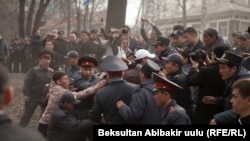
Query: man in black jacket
(3, 51)
(230, 71)
(155, 32)
(64, 124)
(208, 86)
(34, 83)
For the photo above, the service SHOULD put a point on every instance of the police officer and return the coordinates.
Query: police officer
(88, 77)
(35, 80)
(117, 89)
(164, 91)
(86, 80)
(174, 72)
(142, 109)
(162, 49)
(72, 69)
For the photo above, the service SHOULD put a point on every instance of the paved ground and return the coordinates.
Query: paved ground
(15, 109)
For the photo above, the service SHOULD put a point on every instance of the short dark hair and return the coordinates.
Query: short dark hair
(74, 32)
(171, 93)
(243, 86)
(190, 30)
(50, 40)
(58, 75)
(85, 32)
(178, 27)
(219, 50)
(4, 78)
(146, 72)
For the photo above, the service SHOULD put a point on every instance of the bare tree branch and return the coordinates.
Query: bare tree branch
(30, 17)
(21, 18)
(179, 3)
(42, 7)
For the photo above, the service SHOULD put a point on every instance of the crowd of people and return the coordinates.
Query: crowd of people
(112, 78)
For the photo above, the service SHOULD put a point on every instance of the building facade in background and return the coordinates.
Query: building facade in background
(227, 16)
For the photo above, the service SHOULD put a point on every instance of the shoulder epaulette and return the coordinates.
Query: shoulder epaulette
(50, 69)
(37, 67)
(176, 76)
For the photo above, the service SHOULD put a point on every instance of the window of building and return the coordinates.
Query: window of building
(244, 26)
(223, 28)
(213, 25)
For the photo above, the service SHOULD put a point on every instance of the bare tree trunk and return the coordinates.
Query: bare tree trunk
(21, 18)
(116, 13)
(86, 15)
(184, 13)
(203, 15)
(78, 17)
(92, 12)
(30, 18)
(68, 17)
(42, 7)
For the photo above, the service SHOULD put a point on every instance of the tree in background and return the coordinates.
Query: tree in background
(116, 13)
(9, 16)
(43, 4)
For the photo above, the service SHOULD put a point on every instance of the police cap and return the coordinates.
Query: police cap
(113, 64)
(87, 61)
(163, 83)
(161, 41)
(149, 67)
(230, 59)
(45, 53)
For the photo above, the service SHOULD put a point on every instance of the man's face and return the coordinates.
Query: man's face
(88, 71)
(153, 35)
(64, 82)
(236, 39)
(171, 67)
(61, 36)
(84, 37)
(158, 49)
(208, 40)
(37, 33)
(72, 61)
(55, 33)
(49, 45)
(94, 35)
(45, 61)
(227, 72)
(124, 44)
(69, 106)
(240, 105)
(190, 39)
(72, 38)
(177, 41)
(245, 43)
(161, 98)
